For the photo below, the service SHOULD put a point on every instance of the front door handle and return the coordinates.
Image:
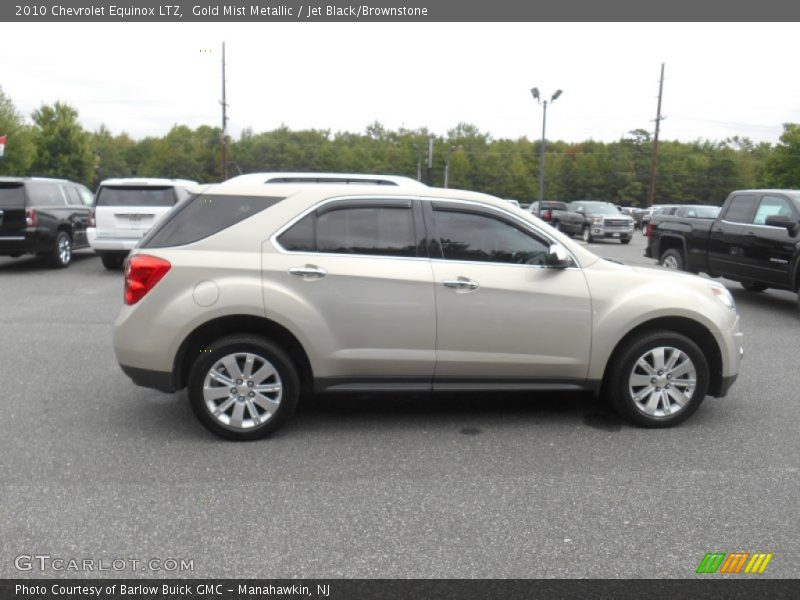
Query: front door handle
(461, 284)
(308, 272)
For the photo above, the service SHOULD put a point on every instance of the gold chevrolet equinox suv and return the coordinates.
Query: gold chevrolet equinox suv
(250, 295)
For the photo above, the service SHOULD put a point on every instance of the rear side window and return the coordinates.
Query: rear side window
(136, 195)
(46, 194)
(364, 230)
(741, 209)
(202, 216)
(12, 195)
(72, 195)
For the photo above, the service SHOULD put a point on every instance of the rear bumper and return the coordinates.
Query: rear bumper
(100, 243)
(26, 241)
(155, 380)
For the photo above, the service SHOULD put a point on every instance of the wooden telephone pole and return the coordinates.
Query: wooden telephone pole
(224, 121)
(654, 162)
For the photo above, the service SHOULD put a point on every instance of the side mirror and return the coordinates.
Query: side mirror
(784, 221)
(558, 257)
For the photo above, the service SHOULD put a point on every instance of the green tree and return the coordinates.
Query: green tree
(62, 146)
(111, 155)
(19, 149)
(782, 166)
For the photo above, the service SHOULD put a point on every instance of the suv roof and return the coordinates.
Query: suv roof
(327, 178)
(147, 181)
(26, 179)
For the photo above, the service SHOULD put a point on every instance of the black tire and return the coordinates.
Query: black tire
(16, 255)
(618, 388)
(586, 235)
(625, 240)
(61, 255)
(672, 259)
(263, 348)
(112, 262)
(753, 287)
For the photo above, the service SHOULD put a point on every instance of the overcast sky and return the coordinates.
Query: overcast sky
(721, 79)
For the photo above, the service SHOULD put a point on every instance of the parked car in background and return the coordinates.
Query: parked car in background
(248, 295)
(345, 178)
(513, 202)
(593, 220)
(42, 216)
(545, 210)
(753, 240)
(125, 210)
(649, 212)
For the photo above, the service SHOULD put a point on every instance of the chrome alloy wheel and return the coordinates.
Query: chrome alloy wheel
(662, 381)
(64, 250)
(242, 390)
(670, 262)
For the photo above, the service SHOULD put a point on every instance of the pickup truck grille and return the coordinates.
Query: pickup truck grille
(616, 222)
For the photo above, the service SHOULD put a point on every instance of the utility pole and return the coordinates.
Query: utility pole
(651, 194)
(224, 121)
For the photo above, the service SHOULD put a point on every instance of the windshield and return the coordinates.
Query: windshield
(601, 208)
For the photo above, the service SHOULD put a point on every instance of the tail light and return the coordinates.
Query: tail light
(92, 222)
(649, 229)
(30, 217)
(142, 273)
(548, 214)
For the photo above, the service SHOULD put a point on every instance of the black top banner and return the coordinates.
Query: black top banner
(397, 10)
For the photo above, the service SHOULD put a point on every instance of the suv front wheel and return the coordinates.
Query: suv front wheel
(243, 387)
(658, 379)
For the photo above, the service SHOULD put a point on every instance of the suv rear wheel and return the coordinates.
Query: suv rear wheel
(243, 387)
(61, 255)
(112, 261)
(658, 379)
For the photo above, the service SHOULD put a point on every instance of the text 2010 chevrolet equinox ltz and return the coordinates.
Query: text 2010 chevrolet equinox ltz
(248, 295)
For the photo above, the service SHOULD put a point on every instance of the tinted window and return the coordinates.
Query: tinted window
(45, 194)
(771, 205)
(300, 236)
(87, 197)
(386, 231)
(475, 237)
(132, 195)
(740, 210)
(202, 216)
(71, 194)
(12, 195)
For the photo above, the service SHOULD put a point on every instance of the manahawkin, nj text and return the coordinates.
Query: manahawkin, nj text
(257, 11)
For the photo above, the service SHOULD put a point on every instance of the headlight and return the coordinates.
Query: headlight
(723, 295)
(597, 220)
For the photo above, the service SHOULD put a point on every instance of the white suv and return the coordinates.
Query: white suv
(125, 210)
(247, 295)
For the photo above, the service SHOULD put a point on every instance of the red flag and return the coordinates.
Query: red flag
(2, 145)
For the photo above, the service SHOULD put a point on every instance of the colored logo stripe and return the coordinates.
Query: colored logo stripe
(721, 562)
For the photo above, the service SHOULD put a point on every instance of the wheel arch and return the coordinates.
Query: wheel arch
(695, 331)
(219, 327)
(672, 242)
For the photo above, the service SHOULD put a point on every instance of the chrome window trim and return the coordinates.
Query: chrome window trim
(273, 239)
(771, 227)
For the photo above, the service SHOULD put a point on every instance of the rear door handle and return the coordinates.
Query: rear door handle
(461, 284)
(308, 272)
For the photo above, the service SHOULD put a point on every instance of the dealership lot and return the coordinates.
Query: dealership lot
(507, 485)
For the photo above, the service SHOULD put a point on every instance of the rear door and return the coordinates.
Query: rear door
(12, 210)
(129, 211)
(729, 239)
(364, 290)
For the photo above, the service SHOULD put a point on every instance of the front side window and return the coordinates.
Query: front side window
(741, 209)
(769, 206)
(482, 238)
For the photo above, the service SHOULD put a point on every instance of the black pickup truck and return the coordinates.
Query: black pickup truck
(754, 240)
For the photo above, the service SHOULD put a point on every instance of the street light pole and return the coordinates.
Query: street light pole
(553, 98)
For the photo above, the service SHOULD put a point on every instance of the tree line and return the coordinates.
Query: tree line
(54, 144)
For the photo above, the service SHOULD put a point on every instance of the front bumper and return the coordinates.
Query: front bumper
(599, 231)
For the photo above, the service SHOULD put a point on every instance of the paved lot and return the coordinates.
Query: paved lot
(513, 485)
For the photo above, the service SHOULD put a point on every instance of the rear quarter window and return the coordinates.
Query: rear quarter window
(202, 216)
(46, 194)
